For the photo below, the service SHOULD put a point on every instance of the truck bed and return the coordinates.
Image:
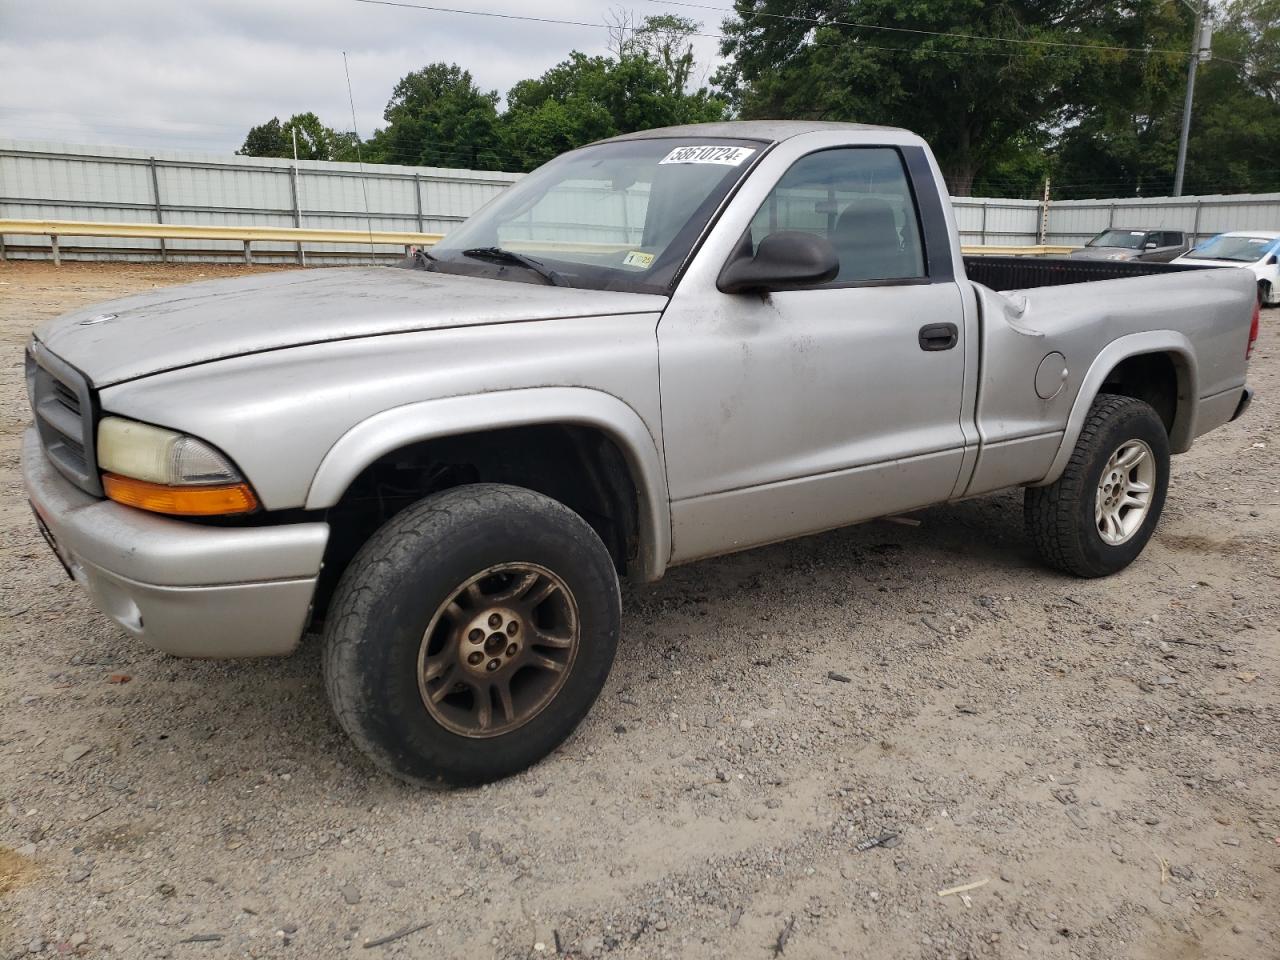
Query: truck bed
(1024, 273)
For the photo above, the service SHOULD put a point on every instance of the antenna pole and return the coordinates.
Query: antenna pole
(364, 187)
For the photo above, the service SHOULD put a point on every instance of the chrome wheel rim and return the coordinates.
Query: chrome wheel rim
(498, 650)
(1125, 490)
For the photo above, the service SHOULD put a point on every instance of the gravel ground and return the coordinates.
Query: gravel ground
(1101, 756)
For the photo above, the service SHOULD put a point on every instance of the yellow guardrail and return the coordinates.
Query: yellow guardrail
(172, 231)
(251, 234)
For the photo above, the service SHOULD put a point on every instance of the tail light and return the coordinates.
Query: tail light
(1253, 329)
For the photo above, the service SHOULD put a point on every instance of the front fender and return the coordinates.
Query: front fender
(432, 419)
(1151, 341)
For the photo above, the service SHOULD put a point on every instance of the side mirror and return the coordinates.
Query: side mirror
(786, 260)
(1150, 245)
(1271, 260)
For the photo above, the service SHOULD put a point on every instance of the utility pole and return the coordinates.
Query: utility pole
(1200, 40)
(1042, 235)
(297, 204)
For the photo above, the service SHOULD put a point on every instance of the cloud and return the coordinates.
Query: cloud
(197, 74)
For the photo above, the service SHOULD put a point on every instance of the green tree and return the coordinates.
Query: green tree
(346, 147)
(266, 140)
(1236, 121)
(980, 102)
(1017, 171)
(666, 39)
(1119, 131)
(567, 106)
(588, 98)
(1123, 137)
(315, 140)
(437, 116)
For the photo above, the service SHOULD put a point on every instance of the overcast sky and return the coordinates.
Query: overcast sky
(196, 74)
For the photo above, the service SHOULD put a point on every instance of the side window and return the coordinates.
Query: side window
(859, 199)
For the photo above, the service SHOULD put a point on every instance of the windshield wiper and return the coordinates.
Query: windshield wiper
(424, 259)
(501, 255)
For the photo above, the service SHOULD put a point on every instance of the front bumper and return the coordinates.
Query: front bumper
(185, 588)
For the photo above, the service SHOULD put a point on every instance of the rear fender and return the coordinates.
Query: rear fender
(1152, 341)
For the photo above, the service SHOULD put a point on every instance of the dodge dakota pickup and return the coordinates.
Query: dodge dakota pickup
(657, 348)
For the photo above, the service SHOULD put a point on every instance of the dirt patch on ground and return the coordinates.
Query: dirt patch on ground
(15, 870)
(1102, 753)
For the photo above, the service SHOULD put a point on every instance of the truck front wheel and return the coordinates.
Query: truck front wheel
(471, 634)
(1095, 519)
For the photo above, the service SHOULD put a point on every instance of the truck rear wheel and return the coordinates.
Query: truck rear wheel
(471, 634)
(1095, 519)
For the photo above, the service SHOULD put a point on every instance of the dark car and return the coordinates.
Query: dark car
(1159, 246)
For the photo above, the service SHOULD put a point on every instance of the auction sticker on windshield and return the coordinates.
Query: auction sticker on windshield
(729, 156)
(637, 258)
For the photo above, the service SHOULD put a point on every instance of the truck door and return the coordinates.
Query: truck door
(808, 409)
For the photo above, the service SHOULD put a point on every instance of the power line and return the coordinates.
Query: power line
(432, 8)
(487, 13)
(929, 33)
(1106, 48)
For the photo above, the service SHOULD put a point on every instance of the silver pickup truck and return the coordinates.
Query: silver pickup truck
(662, 347)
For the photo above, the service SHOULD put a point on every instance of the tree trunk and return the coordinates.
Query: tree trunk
(960, 179)
(961, 167)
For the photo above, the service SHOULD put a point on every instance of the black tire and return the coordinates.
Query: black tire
(1264, 294)
(393, 589)
(1060, 517)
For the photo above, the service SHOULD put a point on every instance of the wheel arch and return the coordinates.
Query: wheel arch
(1121, 366)
(453, 417)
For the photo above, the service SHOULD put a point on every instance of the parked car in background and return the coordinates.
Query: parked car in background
(1155, 246)
(1258, 250)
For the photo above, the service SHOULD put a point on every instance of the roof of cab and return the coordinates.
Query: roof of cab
(770, 131)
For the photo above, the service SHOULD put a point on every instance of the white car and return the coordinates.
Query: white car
(1258, 250)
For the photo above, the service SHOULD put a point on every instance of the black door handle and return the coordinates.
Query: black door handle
(939, 336)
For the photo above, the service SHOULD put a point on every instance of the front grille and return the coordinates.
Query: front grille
(63, 408)
(67, 397)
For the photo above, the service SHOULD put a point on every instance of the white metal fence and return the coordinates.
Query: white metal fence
(42, 180)
(1072, 222)
(1075, 221)
(58, 182)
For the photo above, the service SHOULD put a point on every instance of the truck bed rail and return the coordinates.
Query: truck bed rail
(1024, 273)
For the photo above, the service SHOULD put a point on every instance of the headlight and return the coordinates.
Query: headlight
(168, 472)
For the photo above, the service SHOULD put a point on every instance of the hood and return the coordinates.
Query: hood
(1104, 253)
(200, 322)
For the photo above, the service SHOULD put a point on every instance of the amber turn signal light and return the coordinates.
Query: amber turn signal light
(195, 501)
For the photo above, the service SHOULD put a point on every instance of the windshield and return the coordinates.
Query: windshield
(1236, 249)
(615, 216)
(1128, 239)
